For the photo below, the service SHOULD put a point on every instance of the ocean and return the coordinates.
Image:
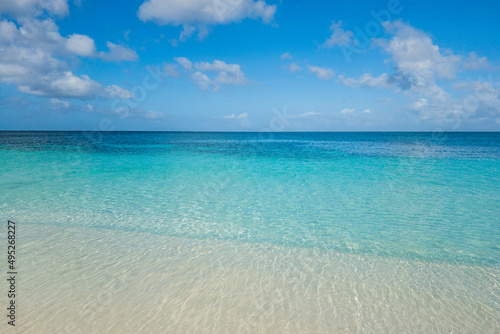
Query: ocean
(201, 232)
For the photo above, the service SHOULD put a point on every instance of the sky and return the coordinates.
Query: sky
(247, 65)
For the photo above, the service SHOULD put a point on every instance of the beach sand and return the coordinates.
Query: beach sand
(95, 280)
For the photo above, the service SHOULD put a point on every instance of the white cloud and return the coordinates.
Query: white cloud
(59, 104)
(36, 34)
(184, 62)
(482, 101)
(223, 73)
(420, 103)
(118, 92)
(229, 74)
(34, 8)
(321, 73)
(118, 53)
(188, 31)
(419, 65)
(339, 36)
(36, 71)
(366, 80)
(8, 31)
(286, 55)
(150, 114)
(367, 111)
(69, 85)
(294, 68)
(126, 112)
(64, 84)
(39, 61)
(308, 114)
(347, 111)
(241, 118)
(200, 14)
(202, 80)
(474, 62)
(414, 52)
(80, 45)
(36, 58)
(351, 82)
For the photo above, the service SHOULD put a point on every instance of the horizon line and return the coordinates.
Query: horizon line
(262, 131)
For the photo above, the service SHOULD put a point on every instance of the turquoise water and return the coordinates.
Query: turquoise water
(431, 197)
(254, 233)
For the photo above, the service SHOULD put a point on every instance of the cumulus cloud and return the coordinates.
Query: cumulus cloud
(321, 72)
(39, 61)
(118, 53)
(368, 81)
(413, 51)
(419, 65)
(339, 36)
(8, 31)
(474, 62)
(118, 92)
(482, 100)
(198, 15)
(417, 60)
(35, 57)
(351, 82)
(286, 55)
(34, 8)
(36, 71)
(202, 80)
(221, 73)
(64, 84)
(184, 62)
(229, 74)
(80, 45)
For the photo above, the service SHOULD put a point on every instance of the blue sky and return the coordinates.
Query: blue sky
(246, 65)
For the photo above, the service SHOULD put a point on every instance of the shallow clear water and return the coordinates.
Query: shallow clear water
(397, 220)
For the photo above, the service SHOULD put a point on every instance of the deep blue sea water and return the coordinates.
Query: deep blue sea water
(426, 196)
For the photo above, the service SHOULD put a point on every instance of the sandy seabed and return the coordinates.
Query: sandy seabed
(95, 280)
